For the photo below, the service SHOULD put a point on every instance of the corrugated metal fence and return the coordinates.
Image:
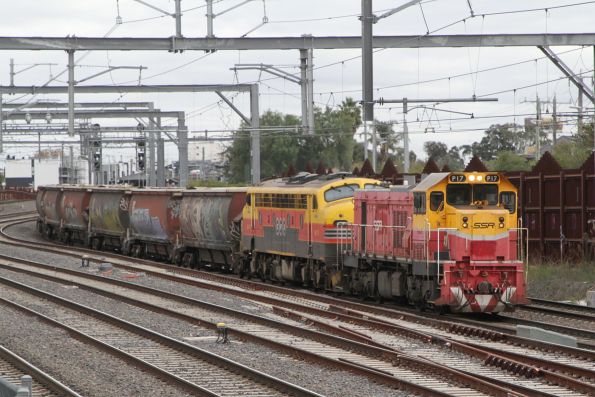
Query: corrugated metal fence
(11, 195)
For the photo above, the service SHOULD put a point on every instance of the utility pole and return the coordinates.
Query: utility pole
(12, 71)
(368, 20)
(538, 126)
(579, 122)
(304, 89)
(406, 164)
(310, 80)
(178, 16)
(255, 134)
(71, 92)
(210, 17)
(182, 151)
(554, 122)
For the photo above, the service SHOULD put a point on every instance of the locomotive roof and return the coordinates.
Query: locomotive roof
(430, 181)
(305, 180)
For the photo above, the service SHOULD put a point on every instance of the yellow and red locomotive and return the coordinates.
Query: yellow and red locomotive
(451, 241)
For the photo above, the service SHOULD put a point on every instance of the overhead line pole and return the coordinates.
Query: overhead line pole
(367, 19)
(310, 86)
(71, 83)
(255, 134)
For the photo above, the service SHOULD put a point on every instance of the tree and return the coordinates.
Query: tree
(332, 143)
(278, 148)
(508, 161)
(442, 155)
(571, 154)
(504, 138)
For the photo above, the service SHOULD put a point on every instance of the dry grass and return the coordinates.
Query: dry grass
(561, 281)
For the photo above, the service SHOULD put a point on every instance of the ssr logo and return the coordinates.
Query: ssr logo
(483, 225)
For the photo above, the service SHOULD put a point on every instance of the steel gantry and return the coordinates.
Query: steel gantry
(306, 45)
(182, 130)
(74, 43)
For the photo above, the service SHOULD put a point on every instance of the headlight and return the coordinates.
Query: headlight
(501, 225)
(501, 219)
(479, 177)
(465, 225)
(471, 178)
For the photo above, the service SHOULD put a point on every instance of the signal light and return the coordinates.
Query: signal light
(140, 159)
(97, 161)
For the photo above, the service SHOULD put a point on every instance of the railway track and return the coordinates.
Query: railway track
(507, 360)
(396, 369)
(188, 367)
(13, 367)
(433, 351)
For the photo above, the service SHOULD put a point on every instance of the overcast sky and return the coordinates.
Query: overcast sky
(398, 73)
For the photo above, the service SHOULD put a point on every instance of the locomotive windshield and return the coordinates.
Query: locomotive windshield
(465, 194)
(340, 192)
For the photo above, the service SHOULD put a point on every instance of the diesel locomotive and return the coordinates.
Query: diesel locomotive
(450, 242)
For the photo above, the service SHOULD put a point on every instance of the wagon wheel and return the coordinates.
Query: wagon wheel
(96, 244)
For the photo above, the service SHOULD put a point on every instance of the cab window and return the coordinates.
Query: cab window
(436, 201)
(508, 201)
(419, 203)
(340, 192)
(459, 194)
(370, 186)
(487, 193)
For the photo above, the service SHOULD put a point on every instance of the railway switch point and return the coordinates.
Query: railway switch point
(544, 335)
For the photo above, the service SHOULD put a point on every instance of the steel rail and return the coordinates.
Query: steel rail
(200, 354)
(41, 378)
(562, 305)
(244, 281)
(343, 340)
(456, 325)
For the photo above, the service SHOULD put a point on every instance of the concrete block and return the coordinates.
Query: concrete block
(590, 298)
(544, 335)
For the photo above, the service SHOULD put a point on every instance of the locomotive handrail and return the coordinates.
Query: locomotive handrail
(521, 229)
(376, 227)
(438, 248)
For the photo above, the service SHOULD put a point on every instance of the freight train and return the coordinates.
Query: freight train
(450, 242)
